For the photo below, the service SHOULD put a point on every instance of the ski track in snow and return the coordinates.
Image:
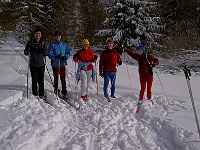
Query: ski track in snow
(98, 125)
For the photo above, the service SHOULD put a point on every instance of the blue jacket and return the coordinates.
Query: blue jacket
(56, 48)
(37, 51)
(84, 65)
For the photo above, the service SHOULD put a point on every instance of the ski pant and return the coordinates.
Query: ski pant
(146, 80)
(37, 75)
(109, 76)
(85, 77)
(56, 71)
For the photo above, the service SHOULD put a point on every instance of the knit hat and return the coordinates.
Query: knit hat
(37, 30)
(85, 42)
(57, 33)
(143, 47)
(109, 40)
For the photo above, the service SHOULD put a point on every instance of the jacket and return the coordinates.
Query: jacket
(108, 60)
(84, 55)
(37, 52)
(144, 62)
(56, 48)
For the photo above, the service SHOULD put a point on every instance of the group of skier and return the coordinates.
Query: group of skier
(109, 60)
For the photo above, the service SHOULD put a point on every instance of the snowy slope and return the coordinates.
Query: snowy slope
(31, 124)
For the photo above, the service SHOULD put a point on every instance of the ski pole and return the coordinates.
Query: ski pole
(187, 76)
(97, 82)
(28, 72)
(49, 74)
(160, 82)
(76, 85)
(129, 75)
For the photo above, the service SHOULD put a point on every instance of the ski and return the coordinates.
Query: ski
(107, 98)
(68, 102)
(138, 106)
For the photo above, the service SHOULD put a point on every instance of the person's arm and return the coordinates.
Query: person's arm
(27, 49)
(51, 53)
(154, 61)
(67, 52)
(45, 49)
(132, 54)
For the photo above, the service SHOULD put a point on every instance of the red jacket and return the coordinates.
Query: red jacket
(108, 60)
(143, 61)
(85, 56)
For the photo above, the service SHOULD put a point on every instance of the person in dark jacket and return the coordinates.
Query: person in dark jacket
(109, 59)
(59, 54)
(36, 48)
(146, 64)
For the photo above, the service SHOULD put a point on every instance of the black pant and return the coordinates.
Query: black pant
(37, 74)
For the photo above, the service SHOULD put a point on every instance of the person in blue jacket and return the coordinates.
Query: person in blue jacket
(36, 48)
(59, 54)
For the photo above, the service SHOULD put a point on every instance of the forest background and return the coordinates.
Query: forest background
(169, 28)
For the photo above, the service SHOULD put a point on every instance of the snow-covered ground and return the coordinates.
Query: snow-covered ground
(31, 124)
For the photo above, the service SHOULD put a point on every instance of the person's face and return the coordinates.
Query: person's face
(110, 45)
(139, 51)
(37, 35)
(86, 46)
(58, 37)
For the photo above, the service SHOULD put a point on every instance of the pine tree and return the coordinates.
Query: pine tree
(130, 23)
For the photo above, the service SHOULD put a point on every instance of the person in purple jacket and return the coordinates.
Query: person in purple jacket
(36, 48)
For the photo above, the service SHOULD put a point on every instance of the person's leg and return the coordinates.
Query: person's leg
(113, 79)
(33, 71)
(143, 86)
(149, 87)
(40, 74)
(55, 75)
(106, 83)
(83, 78)
(63, 80)
(89, 76)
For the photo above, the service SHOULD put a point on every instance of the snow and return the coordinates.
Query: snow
(31, 124)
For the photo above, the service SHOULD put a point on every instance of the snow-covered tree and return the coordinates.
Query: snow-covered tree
(130, 22)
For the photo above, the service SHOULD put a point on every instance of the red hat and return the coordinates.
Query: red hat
(109, 40)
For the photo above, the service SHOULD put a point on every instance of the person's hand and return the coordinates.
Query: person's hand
(101, 74)
(95, 57)
(75, 58)
(63, 58)
(153, 64)
(58, 56)
(119, 62)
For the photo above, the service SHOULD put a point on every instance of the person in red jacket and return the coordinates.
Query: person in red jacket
(146, 64)
(109, 59)
(85, 57)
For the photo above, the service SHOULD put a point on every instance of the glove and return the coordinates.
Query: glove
(95, 57)
(101, 74)
(75, 58)
(58, 56)
(153, 65)
(121, 50)
(63, 58)
(119, 62)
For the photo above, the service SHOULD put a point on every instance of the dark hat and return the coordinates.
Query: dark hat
(109, 40)
(57, 33)
(37, 30)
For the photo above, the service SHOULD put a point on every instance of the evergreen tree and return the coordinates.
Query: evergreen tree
(130, 22)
